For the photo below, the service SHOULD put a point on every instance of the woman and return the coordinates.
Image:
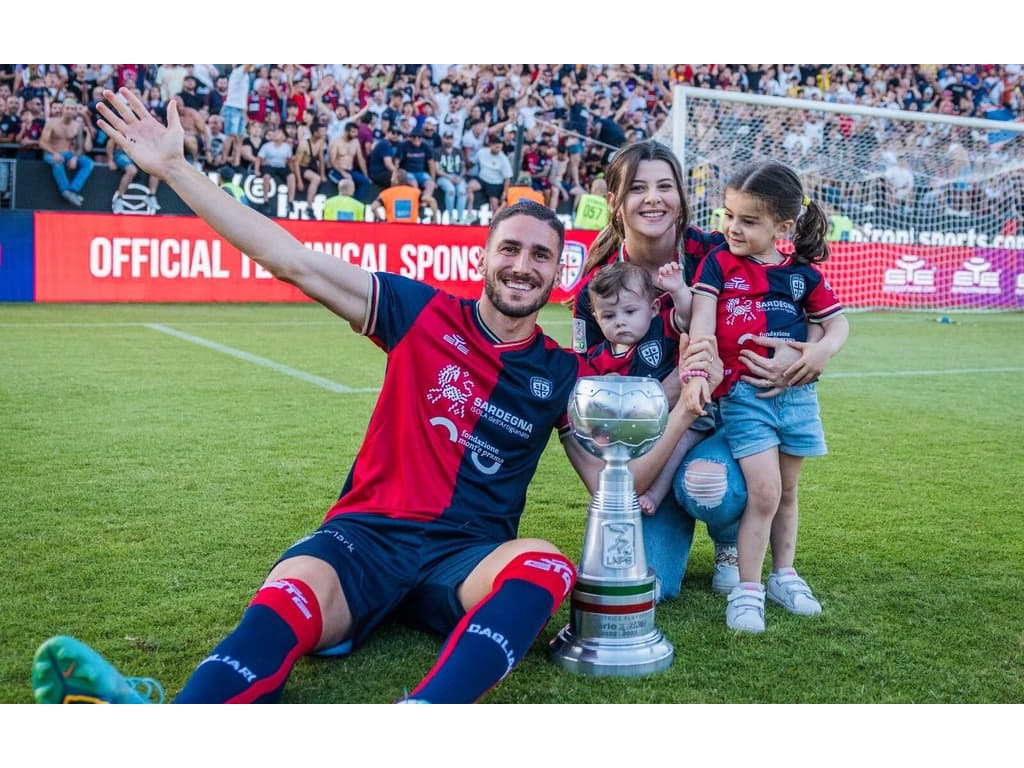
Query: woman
(649, 225)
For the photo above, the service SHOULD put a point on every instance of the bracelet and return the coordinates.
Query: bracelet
(685, 376)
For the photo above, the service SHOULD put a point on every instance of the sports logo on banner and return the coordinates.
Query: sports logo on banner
(574, 254)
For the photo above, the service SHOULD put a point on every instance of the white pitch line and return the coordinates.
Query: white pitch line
(948, 372)
(319, 381)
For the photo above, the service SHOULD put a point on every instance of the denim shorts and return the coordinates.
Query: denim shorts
(791, 421)
(234, 121)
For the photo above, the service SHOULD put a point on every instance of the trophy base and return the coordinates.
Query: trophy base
(598, 657)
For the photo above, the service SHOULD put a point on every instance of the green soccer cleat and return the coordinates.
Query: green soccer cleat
(67, 671)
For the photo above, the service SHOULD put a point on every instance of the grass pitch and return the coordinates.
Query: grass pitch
(157, 459)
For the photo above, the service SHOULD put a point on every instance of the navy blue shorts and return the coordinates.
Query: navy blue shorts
(403, 567)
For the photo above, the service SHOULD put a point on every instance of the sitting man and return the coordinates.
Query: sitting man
(432, 541)
(65, 143)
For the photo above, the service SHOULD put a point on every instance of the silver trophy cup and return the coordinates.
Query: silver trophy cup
(611, 630)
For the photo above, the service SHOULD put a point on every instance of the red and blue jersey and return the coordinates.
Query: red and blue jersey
(462, 418)
(586, 333)
(757, 299)
(654, 356)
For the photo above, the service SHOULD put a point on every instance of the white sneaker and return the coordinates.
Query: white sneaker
(744, 610)
(792, 593)
(152, 203)
(117, 204)
(727, 569)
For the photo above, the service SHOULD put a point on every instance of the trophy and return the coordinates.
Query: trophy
(611, 630)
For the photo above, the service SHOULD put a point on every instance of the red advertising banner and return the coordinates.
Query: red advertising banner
(108, 258)
(926, 277)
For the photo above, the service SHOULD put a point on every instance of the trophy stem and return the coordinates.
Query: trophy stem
(612, 630)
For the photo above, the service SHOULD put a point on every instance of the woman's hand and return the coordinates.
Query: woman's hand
(770, 373)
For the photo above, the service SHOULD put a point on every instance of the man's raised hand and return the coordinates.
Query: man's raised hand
(154, 147)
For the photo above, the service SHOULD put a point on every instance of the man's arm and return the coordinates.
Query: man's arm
(157, 149)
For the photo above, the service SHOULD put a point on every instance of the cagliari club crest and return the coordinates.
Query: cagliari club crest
(574, 254)
(797, 286)
(540, 387)
(650, 353)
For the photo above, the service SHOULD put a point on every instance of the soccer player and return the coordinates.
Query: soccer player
(471, 392)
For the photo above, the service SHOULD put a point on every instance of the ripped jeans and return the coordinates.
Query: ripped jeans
(708, 486)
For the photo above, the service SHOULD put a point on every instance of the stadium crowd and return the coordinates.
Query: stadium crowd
(466, 136)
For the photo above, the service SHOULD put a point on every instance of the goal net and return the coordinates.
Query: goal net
(927, 210)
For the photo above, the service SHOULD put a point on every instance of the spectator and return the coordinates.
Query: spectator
(170, 78)
(431, 138)
(450, 167)
(116, 159)
(189, 96)
(215, 142)
(234, 111)
(218, 95)
(523, 190)
(307, 169)
(346, 161)
(262, 102)
(494, 171)
(414, 157)
(65, 142)
(400, 201)
(343, 206)
(561, 188)
(592, 208)
(155, 104)
(10, 122)
(472, 141)
(272, 164)
(226, 174)
(381, 164)
(251, 144)
(195, 129)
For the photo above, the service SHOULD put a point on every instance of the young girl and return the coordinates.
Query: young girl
(745, 289)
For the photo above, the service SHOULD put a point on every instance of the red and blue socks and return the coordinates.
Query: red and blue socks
(252, 664)
(495, 635)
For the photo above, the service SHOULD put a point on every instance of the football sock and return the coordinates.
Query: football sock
(495, 635)
(251, 665)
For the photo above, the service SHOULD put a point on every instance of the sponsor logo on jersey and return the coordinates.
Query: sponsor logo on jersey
(455, 386)
(457, 341)
(738, 309)
(737, 284)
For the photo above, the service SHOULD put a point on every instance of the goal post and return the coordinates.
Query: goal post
(927, 210)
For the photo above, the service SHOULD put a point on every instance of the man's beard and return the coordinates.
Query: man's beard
(493, 292)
